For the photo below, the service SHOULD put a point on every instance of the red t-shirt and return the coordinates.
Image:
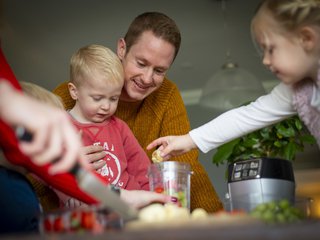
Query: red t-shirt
(9, 145)
(126, 162)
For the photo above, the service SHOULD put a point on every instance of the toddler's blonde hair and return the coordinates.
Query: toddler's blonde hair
(91, 58)
(39, 93)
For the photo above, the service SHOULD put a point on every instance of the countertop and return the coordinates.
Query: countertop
(307, 229)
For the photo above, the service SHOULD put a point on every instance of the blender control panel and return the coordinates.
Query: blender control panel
(244, 170)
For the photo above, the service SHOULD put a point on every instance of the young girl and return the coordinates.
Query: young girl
(288, 34)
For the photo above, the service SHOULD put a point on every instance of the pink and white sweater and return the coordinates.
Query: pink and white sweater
(281, 103)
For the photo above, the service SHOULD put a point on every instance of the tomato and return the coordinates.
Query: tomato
(159, 189)
(47, 225)
(87, 220)
(58, 225)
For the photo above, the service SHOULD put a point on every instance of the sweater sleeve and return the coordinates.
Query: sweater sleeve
(232, 124)
(138, 161)
(6, 74)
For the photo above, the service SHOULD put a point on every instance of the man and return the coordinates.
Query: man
(150, 103)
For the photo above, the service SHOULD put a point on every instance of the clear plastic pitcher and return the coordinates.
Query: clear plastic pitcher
(172, 178)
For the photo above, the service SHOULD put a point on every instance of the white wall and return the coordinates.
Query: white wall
(40, 36)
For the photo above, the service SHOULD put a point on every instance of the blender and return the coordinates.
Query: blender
(259, 180)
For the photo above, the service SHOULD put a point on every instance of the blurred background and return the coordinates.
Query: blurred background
(38, 37)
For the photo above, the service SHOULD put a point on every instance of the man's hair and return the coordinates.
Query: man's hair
(159, 24)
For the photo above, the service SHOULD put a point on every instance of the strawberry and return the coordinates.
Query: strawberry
(47, 225)
(159, 189)
(87, 220)
(58, 225)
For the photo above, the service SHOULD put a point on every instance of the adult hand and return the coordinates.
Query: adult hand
(140, 198)
(54, 136)
(173, 145)
(93, 155)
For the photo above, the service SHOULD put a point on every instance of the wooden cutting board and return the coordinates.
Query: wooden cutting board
(210, 221)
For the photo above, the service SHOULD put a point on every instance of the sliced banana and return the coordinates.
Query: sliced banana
(175, 212)
(152, 213)
(163, 213)
(199, 213)
(156, 156)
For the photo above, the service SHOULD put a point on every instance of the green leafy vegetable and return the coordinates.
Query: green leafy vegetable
(283, 140)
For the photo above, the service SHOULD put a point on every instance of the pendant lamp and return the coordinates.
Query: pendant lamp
(231, 86)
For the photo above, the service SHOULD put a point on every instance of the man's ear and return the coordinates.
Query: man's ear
(121, 48)
(73, 91)
(308, 37)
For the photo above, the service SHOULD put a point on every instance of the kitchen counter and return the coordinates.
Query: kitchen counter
(308, 229)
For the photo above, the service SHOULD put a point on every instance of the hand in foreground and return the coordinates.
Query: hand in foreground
(173, 145)
(54, 136)
(141, 198)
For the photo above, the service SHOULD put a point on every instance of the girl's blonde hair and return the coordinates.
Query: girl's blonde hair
(41, 94)
(91, 58)
(292, 14)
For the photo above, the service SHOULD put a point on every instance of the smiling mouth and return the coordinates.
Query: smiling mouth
(140, 86)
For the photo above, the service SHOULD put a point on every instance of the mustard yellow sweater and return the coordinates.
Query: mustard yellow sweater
(162, 113)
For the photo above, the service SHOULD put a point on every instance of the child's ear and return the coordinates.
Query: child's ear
(73, 91)
(308, 37)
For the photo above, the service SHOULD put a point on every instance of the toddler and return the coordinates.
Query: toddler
(96, 81)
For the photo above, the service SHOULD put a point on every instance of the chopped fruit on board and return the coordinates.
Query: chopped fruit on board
(158, 213)
(277, 212)
(90, 219)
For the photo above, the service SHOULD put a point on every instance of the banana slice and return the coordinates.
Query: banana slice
(152, 213)
(156, 157)
(199, 213)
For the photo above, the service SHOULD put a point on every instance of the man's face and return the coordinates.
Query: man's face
(145, 65)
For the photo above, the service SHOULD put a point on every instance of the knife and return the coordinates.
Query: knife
(93, 186)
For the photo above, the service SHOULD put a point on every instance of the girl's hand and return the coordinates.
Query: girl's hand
(173, 145)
